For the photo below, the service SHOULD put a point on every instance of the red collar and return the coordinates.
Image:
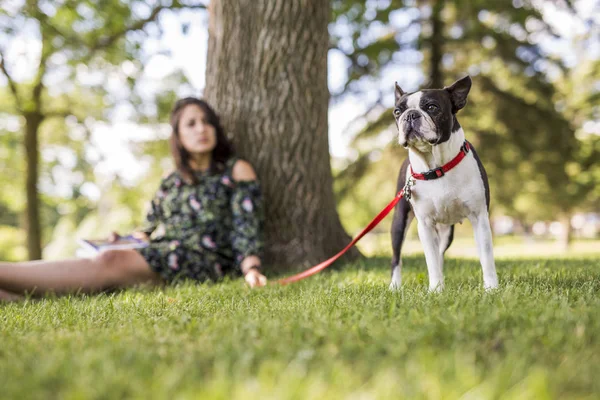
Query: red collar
(441, 171)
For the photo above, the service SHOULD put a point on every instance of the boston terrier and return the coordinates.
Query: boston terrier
(443, 181)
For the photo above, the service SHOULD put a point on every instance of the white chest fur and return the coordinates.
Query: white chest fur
(451, 198)
(457, 195)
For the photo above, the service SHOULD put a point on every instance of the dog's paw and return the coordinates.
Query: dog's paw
(436, 288)
(396, 281)
(490, 284)
(490, 287)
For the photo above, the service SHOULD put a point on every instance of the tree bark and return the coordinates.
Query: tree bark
(34, 234)
(436, 79)
(267, 78)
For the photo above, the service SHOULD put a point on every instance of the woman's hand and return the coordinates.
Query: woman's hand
(251, 274)
(113, 237)
(141, 236)
(254, 278)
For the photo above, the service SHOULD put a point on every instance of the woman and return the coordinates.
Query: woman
(204, 222)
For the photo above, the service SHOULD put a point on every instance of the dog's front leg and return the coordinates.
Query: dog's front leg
(483, 239)
(431, 244)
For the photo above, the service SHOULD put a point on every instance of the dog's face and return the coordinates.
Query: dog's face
(427, 117)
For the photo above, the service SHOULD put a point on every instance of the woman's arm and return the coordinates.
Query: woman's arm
(154, 214)
(243, 171)
(247, 214)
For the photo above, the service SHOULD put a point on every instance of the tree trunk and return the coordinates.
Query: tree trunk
(267, 78)
(34, 234)
(436, 79)
(566, 235)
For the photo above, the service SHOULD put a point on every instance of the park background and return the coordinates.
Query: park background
(305, 90)
(106, 75)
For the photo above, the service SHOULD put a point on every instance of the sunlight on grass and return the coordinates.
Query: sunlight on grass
(339, 334)
(504, 247)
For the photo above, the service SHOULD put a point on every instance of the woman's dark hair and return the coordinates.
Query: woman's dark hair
(220, 154)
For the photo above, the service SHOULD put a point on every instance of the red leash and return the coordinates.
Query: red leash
(429, 175)
(327, 263)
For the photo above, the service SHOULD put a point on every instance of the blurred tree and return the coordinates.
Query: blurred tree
(580, 103)
(511, 118)
(84, 49)
(11, 170)
(267, 77)
(9, 157)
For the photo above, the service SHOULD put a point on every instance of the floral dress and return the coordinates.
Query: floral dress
(203, 231)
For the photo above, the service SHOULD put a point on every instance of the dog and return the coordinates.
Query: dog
(443, 179)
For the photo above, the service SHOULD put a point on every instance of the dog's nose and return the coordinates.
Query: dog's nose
(413, 115)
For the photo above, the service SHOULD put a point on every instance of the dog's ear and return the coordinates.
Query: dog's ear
(458, 92)
(398, 92)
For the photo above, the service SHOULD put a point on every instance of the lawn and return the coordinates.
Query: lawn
(340, 334)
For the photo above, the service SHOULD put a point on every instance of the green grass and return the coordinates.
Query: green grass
(340, 334)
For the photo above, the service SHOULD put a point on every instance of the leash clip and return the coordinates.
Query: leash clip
(466, 147)
(408, 188)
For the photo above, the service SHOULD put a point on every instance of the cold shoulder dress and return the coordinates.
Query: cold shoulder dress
(203, 231)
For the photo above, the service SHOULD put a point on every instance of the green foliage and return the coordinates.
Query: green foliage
(90, 64)
(11, 155)
(12, 240)
(368, 49)
(361, 201)
(582, 106)
(338, 335)
(513, 116)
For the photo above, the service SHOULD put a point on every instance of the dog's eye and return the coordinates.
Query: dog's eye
(397, 112)
(432, 107)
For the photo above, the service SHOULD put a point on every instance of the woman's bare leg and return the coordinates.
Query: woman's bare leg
(9, 296)
(112, 268)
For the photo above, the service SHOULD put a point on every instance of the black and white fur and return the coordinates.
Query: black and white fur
(428, 128)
